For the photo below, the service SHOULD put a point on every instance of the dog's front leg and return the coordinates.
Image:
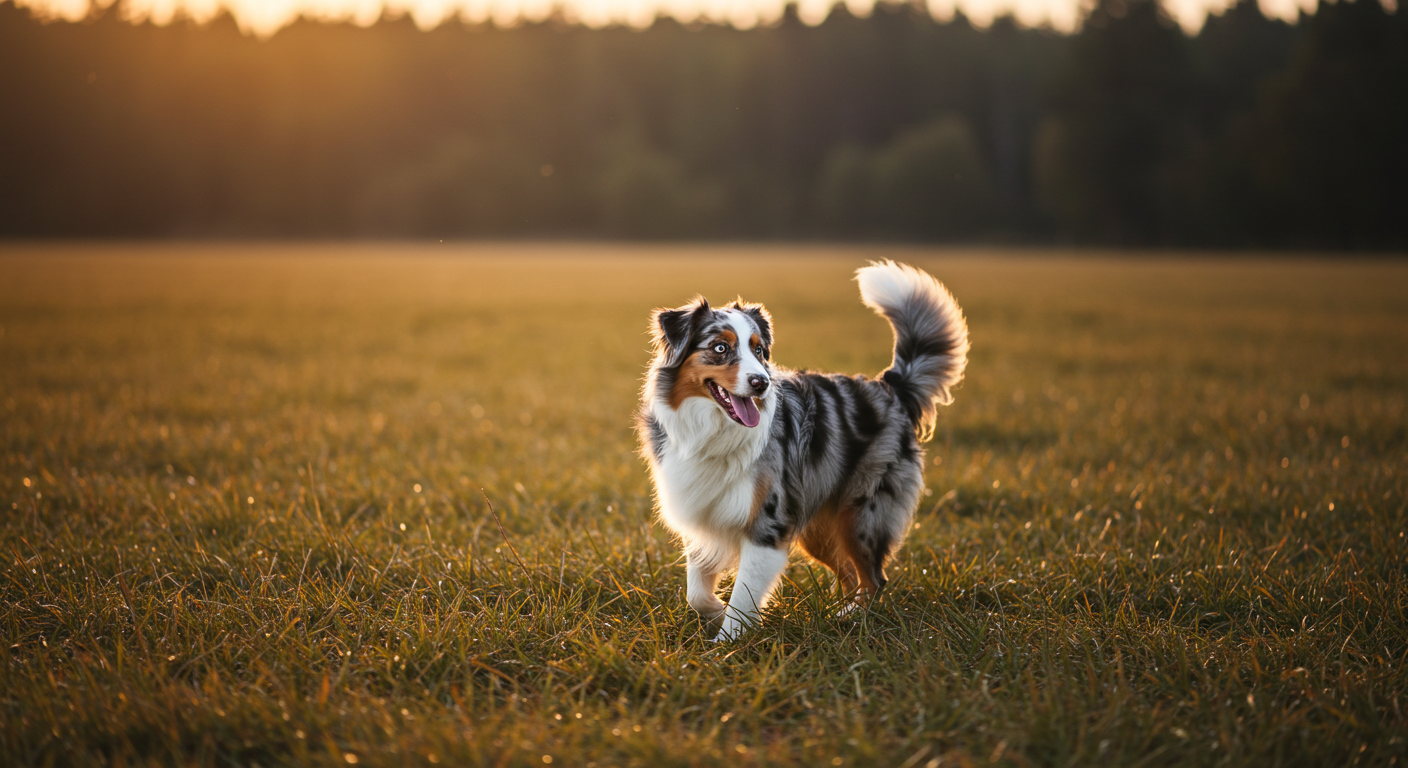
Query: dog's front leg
(701, 580)
(758, 569)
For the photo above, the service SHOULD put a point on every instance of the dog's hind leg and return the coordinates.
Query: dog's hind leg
(876, 530)
(822, 540)
(869, 551)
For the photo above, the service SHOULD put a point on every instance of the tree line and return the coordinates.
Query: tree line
(895, 126)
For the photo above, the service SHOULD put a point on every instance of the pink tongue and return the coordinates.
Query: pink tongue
(746, 410)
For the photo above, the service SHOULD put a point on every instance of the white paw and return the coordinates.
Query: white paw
(847, 610)
(731, 630)
(709, 612)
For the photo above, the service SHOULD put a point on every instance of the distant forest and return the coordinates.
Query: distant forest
(1252, 133)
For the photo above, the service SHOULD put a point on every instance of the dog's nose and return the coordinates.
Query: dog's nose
(758, 383)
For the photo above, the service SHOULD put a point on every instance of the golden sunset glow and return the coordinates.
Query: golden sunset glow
(265, 17)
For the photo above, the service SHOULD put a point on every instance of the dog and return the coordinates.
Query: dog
(748, 457)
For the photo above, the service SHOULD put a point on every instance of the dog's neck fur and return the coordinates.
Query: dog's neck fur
(700, 431)
(704, 475)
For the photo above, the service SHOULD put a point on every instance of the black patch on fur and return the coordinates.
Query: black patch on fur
(673, 327)
(770, 508)
(867, 419)
(770, 529)
(792, 502)
(665, 380)
(768, 536)
(789, 436)
(908, 396)
(761, 320)
(825, 382)
(909, 447)
(657, 437)
(801, 406)
(853, 445)
(676, 329)
(880, 553)
(821, 428)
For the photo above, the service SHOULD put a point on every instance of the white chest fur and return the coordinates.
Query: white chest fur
(706, 474)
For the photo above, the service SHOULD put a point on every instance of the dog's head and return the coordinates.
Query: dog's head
(721, 354)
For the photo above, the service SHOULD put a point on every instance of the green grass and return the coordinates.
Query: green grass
(243, 521)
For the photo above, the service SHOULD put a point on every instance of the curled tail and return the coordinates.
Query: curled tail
(931, 337)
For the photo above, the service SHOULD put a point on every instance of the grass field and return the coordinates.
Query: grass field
(1165, 521)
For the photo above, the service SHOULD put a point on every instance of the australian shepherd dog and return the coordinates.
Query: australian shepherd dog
(748, 457)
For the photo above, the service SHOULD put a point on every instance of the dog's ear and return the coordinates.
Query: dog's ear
(760, 316)
(672, 329)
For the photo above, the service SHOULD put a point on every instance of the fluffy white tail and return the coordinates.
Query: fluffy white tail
(931, 337)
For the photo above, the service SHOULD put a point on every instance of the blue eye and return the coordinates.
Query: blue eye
(721, 348)
(761, 354)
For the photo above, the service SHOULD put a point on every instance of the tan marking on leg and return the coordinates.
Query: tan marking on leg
(846, 538)
(762, 487)
(821, 540)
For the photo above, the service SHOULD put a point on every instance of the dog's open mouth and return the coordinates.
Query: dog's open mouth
(741, 409)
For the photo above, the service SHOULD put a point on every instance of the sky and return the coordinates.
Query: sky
(265, 17)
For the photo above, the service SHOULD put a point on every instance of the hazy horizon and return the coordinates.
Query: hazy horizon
(266, 17)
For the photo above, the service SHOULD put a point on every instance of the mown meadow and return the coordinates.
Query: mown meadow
(247, 519)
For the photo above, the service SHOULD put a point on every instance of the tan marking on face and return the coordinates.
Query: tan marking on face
(689, 382)
(754, 342)
(730, 337)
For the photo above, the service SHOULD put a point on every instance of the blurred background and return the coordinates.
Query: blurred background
(1123, 123)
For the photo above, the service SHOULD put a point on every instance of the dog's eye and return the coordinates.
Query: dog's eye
(721, 348)
(762, 353)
